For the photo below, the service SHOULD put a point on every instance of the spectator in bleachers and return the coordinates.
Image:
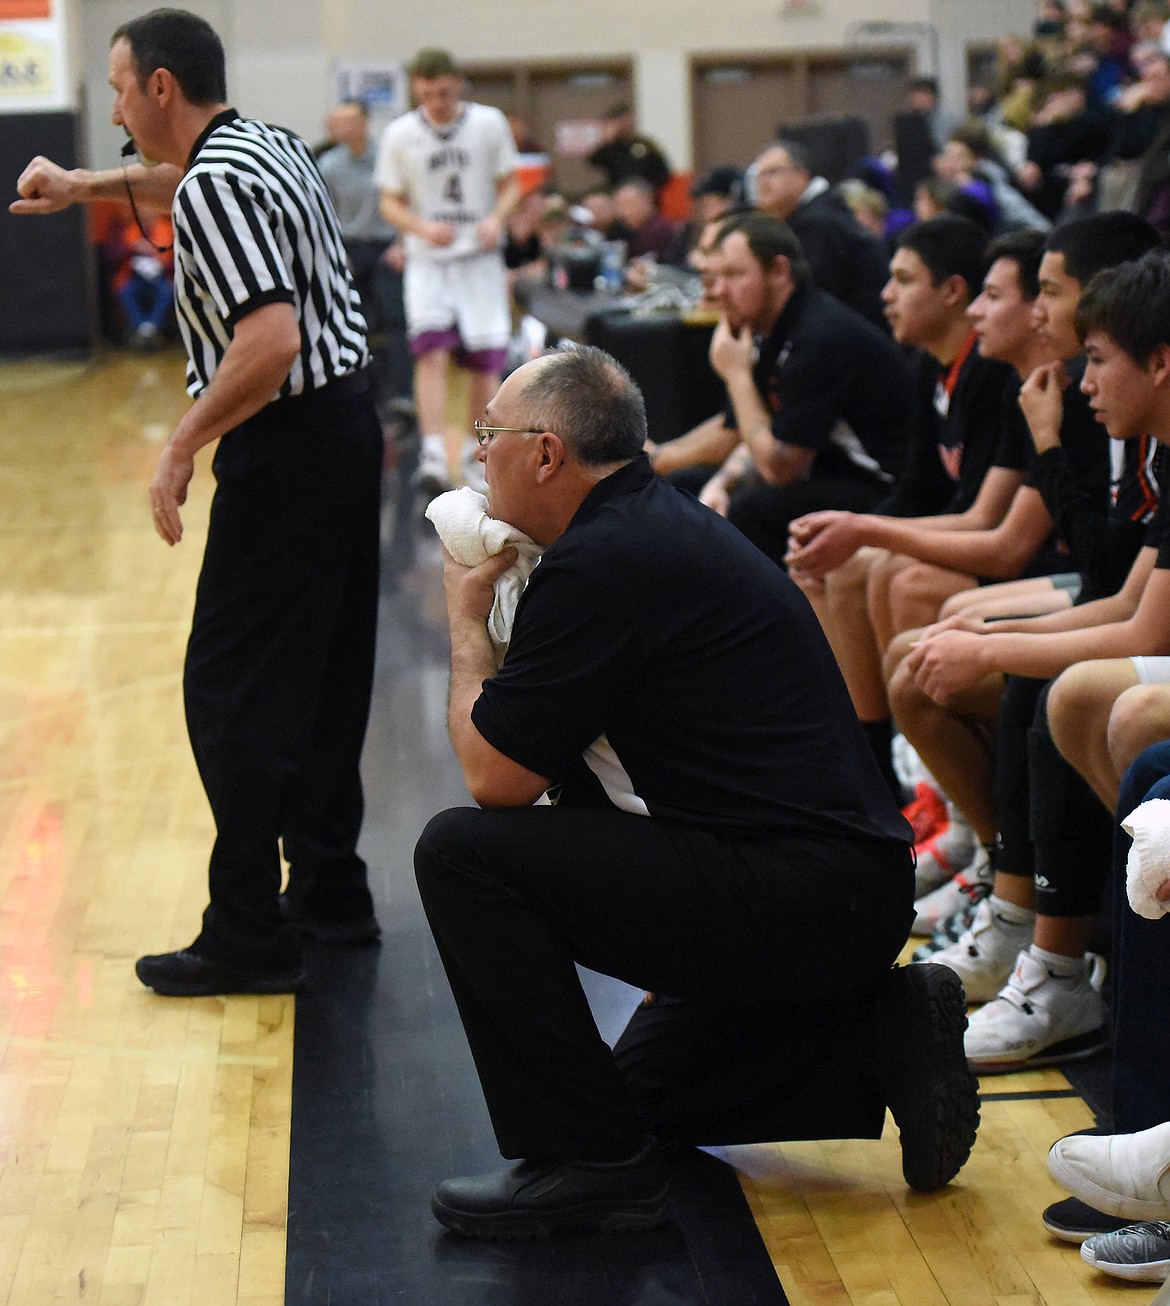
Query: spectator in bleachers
(971, 154)
(646, 232)
(603, 216)
(1108, 178)
(716, 191)
(143, 278)
(870, 207)
(1050, 20)
(922, 97)
(970, 199)
(1147, 21)
(1065, 130)
(624, 153)
(1019, 71)
(1104, 53)
(524, 249)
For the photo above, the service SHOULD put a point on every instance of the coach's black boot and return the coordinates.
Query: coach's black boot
(922, 1069)
(533, 1199)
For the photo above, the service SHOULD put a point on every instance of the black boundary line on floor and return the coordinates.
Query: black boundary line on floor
(386, 1102)
(1032, 1095)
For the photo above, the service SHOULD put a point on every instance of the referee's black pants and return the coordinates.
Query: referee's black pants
(279, 666)
(767, 957)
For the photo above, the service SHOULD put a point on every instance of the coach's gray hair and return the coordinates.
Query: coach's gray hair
(586, 397)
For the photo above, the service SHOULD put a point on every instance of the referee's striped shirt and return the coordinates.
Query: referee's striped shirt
(254, 225)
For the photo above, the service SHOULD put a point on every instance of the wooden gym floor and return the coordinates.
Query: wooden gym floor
(169, 1151)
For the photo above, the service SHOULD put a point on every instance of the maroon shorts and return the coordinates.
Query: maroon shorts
(490, 361)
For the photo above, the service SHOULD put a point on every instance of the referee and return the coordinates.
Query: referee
(279, 663)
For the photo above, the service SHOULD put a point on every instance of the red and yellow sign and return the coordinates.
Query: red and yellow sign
(12, 9)
(26, 67)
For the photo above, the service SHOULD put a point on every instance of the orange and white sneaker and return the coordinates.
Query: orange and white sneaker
(944, 854)
(961, 891)
(926, 812)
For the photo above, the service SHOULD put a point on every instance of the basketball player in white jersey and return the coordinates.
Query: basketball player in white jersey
(447, 176)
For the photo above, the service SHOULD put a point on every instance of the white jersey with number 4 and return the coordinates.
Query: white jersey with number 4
(447, 174)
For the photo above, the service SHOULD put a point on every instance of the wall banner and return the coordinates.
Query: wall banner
(32, 55)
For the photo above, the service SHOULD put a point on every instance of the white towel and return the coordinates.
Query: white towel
(1149, 857)
(470, 536)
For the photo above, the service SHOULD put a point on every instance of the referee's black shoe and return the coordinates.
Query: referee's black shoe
(923, 1072)
(186, 974)
(533, 1199)
(350, 931)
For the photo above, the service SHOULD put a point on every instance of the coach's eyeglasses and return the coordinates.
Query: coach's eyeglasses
(485, 434)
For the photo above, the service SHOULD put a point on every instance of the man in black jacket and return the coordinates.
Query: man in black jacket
(847, 261)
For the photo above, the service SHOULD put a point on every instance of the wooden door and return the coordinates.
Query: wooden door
(737, 105)
(868, 87)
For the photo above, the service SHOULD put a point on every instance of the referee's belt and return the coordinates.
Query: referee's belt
(341, 387)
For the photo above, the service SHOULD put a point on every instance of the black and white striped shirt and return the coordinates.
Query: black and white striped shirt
(254, 225)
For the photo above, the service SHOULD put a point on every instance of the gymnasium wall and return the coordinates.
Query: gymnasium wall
(281, 51)
(282, 57)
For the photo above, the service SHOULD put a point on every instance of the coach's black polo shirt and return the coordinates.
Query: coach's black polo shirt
(823, 368)
(654, 623)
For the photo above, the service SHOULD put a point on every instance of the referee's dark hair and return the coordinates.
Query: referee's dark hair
(768, 238)
(185, 45)
(587, 397)
(949, 246)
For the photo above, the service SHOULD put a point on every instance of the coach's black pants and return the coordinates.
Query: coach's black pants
(280, 666)
(766, 957)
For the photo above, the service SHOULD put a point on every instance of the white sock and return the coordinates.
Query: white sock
(1058, 965)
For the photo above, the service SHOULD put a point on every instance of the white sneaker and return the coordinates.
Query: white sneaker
(1140, 1253)
(1126, 1175)
(1037, 1019)
(984, 955)
(945, 854)
(932, 908)
(433, 476)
